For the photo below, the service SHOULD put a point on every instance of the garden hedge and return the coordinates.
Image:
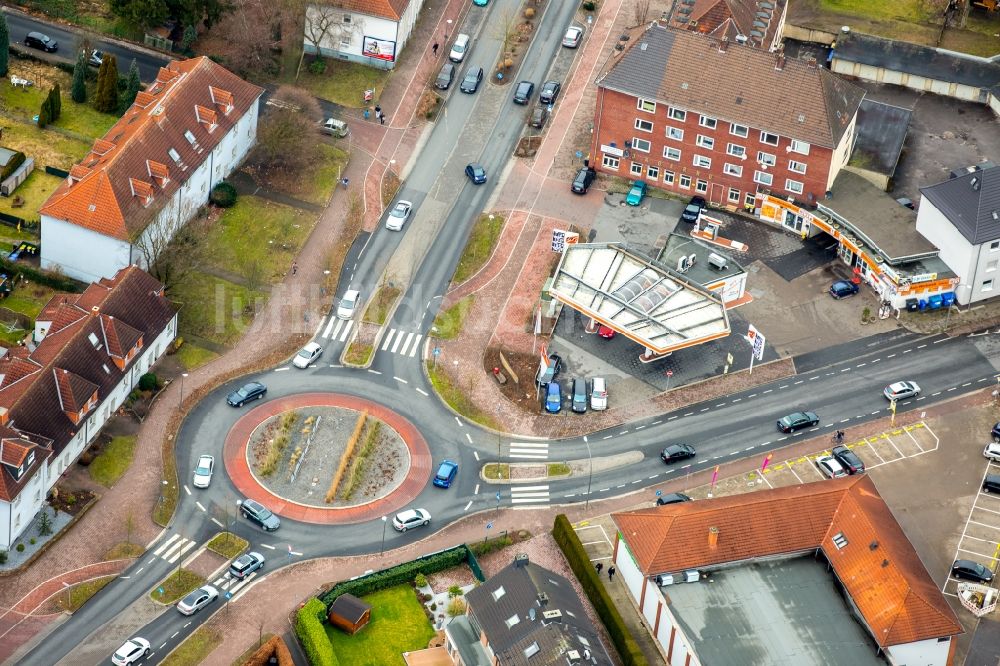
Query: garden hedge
(579, 562)
(57, 282)
(312, 635)
(223, 195)
(397, 575)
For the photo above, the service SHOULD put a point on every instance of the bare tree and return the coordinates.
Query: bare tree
(287, 135)
(641, 11)
(171, 258)
(256, 31)
(326, 23)
(505, 29)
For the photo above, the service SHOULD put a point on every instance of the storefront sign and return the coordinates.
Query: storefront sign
(561, 238)
(923, 277)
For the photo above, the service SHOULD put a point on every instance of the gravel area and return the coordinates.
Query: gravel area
(326, 431)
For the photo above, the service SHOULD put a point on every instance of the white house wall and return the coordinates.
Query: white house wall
(347, 44)
(972, 264)
(16, 516)
(930, 652)
(841, 153)
(79, 252)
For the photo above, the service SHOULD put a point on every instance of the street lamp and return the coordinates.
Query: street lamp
(446, 29)
(385, 521)
(183, 375)
(590, 475)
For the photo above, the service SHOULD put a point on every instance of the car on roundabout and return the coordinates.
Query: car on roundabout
(246, 393)
(446, 474)
(307, 355)
(256, 512)
(407, 520)
(203, 471)
(197, 600)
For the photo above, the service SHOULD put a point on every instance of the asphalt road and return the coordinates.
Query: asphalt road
(20, 24)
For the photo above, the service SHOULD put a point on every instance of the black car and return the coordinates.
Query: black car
(674, 452)
(797, 421)
(473, 77)
(579, 395)
(246, 564)
(476, 173)
(524, 91)
(445, 76)
(693, 210)
(549, 92)
(848, 459)
(550, 373)
(37, 40)
(995, 432)
(538, 117)
(248, 392)
(258, 513)
(584, 177)
(672, 498)
(991, 484)
(970, 570)
(843, 289)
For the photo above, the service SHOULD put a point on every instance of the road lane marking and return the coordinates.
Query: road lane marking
(468, 437)
(400, 380)
(467, 506)
(458, 421)
(198, 504)
(374, 372)
(476, 453)
(267, 546)
(187, 490)
(422, 392)
(476, 491)
(218, 523)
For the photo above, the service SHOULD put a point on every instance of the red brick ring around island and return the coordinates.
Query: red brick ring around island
(234, 454)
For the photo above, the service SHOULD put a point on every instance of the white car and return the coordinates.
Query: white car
(411, 518)
(992, 451)
(398, 216)
(901, 390)
(830, 467)
(598, 394)
(572, 38)
(459, 48)
(307, 355)
(132, 651)
(203, 472)
(197, 600)
(348, 304)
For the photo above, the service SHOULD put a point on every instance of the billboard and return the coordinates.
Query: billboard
(382, 49)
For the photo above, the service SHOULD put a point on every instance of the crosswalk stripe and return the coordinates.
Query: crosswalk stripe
(531, 445)
(528, 495)
(329, 327)
(185, 548)
(399, 338)
(530, 456)
(519, 489)
(416, 345)
(347, 329)
(406, 345)
(235, 588)
(529, 500)
(388, 339)
(165, 544)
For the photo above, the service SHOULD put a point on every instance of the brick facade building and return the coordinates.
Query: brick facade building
(697, 115)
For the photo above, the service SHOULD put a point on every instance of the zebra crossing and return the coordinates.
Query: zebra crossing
(227, 583)
(531, 450)
(404, 343)
(522, 495)
(173, 548)
(338, 329)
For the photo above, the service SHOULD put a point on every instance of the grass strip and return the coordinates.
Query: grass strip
(175, 586)
(228, 544)
(558, 469)
(195, 648)
(448, 324)
(479, 247)
(113, 461)
(361, 460)
(124, 551)
(358, 353)
(80, 594)
(496, 471)
(381, 304)
(345, 459)
(456, 398)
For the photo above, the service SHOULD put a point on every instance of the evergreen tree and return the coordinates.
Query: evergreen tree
(4, 45)
(79, 90)
(56, 96)
(43, 113)
(106, 99)
(132, 86)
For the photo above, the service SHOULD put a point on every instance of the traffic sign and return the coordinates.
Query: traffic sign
(229, 595)
(489, 526)
(437, 351)
(498, 495)
(659, 492)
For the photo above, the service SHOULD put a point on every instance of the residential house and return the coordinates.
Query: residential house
(961, 217)
(151, 172)
(525, 615)
(56, 394)
(754, 22)
(693, 114)
(372, 32)
(811, 573)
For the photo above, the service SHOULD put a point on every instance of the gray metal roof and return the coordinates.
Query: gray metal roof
(780, 613)
(466, 641)
(971, 202)
(881, 132)
(680, 245)
(937, 64)
(884, 224)
(533, 616)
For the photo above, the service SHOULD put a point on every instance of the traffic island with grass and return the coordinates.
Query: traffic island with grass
(448, 324)
(175, 586)
(358, 354)
(479, 247)
(381, 304)
(76, 596)
(195, 648)
(457, 398)
(228, 544)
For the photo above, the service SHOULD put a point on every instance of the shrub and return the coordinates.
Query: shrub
(309, 629)
(20, 547)
(44, 524)
(32, 541)
(454, 591)
(579, 562)
(481, 548)
(420, 580)
(589, 6)
(223, 195)
(317, 66)
(398, 574)
(148, 382)
(3, 557)
(456, 607)
(434, 606)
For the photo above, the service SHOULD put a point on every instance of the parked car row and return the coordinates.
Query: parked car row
(594, 390)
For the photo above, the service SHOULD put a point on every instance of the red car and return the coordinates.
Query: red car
(606, 332)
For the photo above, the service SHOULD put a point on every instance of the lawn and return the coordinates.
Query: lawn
(175, 586)
(124, 550)
(358, 353)
(319, 184)
(192, 356)
(113, 461)
(398, 625)
(48, 148)
(35, 190)
(448, 324)
(80, 119)
(81, 594)
(258, 239)
(203, 298)
(381, 303)
(228, 544)
(195, 648)
(479, 247)
(456, 397)
(344, 83)
(27, 299)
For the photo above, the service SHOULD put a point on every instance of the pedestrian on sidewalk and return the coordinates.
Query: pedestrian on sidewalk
(381, 119)
(295, 268)
(378, 112)
(435, 49)
(611, 573)
(599, 566)
(344, 182)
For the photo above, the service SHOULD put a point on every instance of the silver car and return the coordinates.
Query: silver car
(901, 390)
(307, 355)
(398, 216)
(203, 472)
(573, 36)
(197, 600)
(830, 467)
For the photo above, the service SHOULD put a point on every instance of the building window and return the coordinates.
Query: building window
(673, 154)
(793, 186)
(635, 169)
(766, 158)
(643, 125)
(705, 141)
(733, 170)
(675, 133)
(987, 285)
(641, 145)
(685, 181)
(800, 147)
(762, 177)
(769, 138)
(994, 246)
(668, 177)
(347, 18)
(736, 150)
(701, 186)
(646, 105)
(708, 121)
(652, 172)
(734, 195)
(749, 200)
(797, 167)
(610, 162)
(677, 114)
(739, 130)
(702, 162)
(345, 44)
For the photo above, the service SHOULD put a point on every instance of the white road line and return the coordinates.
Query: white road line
(139, 570)
(734, 402)
(623, 432)
(607, 437)
(875, 361)
(163, 646)
(346, 331)
(476, 453)
(326, 333)
(175, 635)
(467, 506)
(173, 557)
(907, 351)
(689, 414)
(468, 437)
(476, 491)
(374, 372)
(166, 543)
(281, 369)
(650, 478)
(217, 522)
(783, 387)
(890, 355)
(532, 456)
(921, 346)
(768, 391)
(388, 339)
(267, 546)
(395, 345)
(657, 422)
(458, 421)
(860, 365)
(416, 345)
(187, 490)
(198, 504)
(721, 404)
(400, 380)
(671, 418)
(799, 382)
(422, 392)
(295, 553)
(515, 489)
(752, 395)
(406, 345)
(702, 410)
(642, 426)
(941, 340)
(966, 384)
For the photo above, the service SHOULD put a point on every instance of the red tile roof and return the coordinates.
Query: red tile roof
(757, 20)
(390, 9)
(130, 173)
(14, 451)
(878, 567)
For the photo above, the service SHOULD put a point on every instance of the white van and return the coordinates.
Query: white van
(598, 394)
(349, 304)
(459, 48)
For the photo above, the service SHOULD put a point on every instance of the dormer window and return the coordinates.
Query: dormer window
(206, 117)
(174, 155)
(29, 460)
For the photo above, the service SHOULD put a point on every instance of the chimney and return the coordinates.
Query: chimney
(4, 416)
(723, 44)
(779, 60)
(543, 599)
(713, 537)
(521, 559)
(94, 311)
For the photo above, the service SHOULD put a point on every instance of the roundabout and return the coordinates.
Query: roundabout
(312, 425)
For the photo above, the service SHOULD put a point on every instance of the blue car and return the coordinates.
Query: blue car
(636, 194)
(446, 474)
(843, 289)
(553, 398)
(480, 3)
(476, 173)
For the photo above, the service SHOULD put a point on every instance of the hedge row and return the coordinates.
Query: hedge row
(275, 647)
(579, 562)
(309, 629)
(397, 575)
(58, 282)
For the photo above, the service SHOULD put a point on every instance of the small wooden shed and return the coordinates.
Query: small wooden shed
(349, 613)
